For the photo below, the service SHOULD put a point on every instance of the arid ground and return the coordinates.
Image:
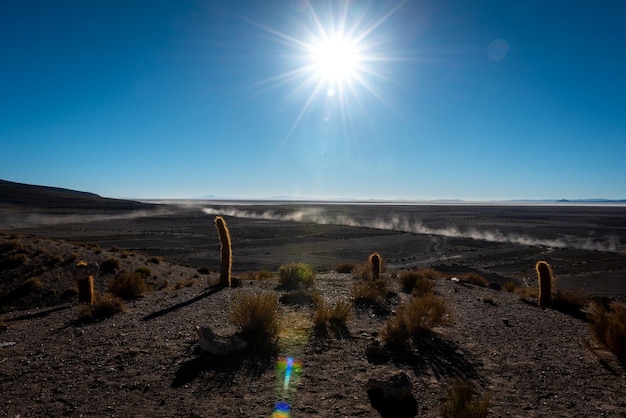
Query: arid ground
(146, 361)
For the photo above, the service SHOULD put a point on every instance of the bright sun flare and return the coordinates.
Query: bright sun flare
(336, 59)
(339, 51)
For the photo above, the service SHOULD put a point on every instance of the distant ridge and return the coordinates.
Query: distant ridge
(28, 196)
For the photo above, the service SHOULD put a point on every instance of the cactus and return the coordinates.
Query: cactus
(545, 276)
(84, 274)
(226, 257)
(85, 290)
(375, 261)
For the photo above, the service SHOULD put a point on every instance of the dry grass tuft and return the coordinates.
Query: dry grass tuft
(257, 275)
(417, 282)
(416, 317)
(294, 275)
(509, 286)
(334, 316)
(461, 402)
(104, 307)
(34, 283)
(184, 283)
(110, 265)
(473, 278)
(371, 293)
(256, 316)
(128, 285)
(609, 326)
(345, 268)
(569, 301)
(144, 271)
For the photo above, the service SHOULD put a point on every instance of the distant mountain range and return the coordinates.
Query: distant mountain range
(55, 198)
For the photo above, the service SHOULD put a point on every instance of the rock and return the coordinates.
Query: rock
(395, 388)
(376, 353)
(211, 343)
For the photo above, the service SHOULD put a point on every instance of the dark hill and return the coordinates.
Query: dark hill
(54, 198)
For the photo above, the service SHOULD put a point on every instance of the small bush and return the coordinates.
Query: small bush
(110, 265)
(609, 326)
(155, 260)
(296, 274)
(370, 292)
(103, 307)
(257, 275)
(473, 278)
(334, 315)
(344, 268)
(509, 286)
(34, 283)
(461, 402)
(256, 316)
(526, 293)
(128, 285)
(416, 282)
(569, 301)
(416, 317)
(144, 271)
(183, 283)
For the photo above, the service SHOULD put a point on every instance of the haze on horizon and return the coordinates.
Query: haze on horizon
(397, 100)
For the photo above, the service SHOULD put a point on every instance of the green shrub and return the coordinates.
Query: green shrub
(344, 268)
(461, 402)
(415, 317)
(609, 326)
(256, 316)
(296, 274)
(128, 285)
(103, 307)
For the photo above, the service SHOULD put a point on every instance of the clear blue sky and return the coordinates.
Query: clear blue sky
(475, 100)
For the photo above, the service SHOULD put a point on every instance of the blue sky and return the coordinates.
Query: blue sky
(475, 100)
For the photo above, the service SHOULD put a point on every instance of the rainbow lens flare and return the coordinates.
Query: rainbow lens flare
(288, 370)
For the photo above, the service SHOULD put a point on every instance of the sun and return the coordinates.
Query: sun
(336, 52)
(336, 59)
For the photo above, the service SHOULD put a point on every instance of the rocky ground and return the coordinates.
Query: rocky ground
(147, 362)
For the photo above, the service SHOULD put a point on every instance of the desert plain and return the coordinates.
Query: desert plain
(529, 361)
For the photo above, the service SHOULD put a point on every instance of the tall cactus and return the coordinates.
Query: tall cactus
(376, 263)
(226, 255)
(545, 276)
(84, 274)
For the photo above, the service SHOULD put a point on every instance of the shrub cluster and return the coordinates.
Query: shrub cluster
(295, 275)
(473, 278)
(110, 265)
